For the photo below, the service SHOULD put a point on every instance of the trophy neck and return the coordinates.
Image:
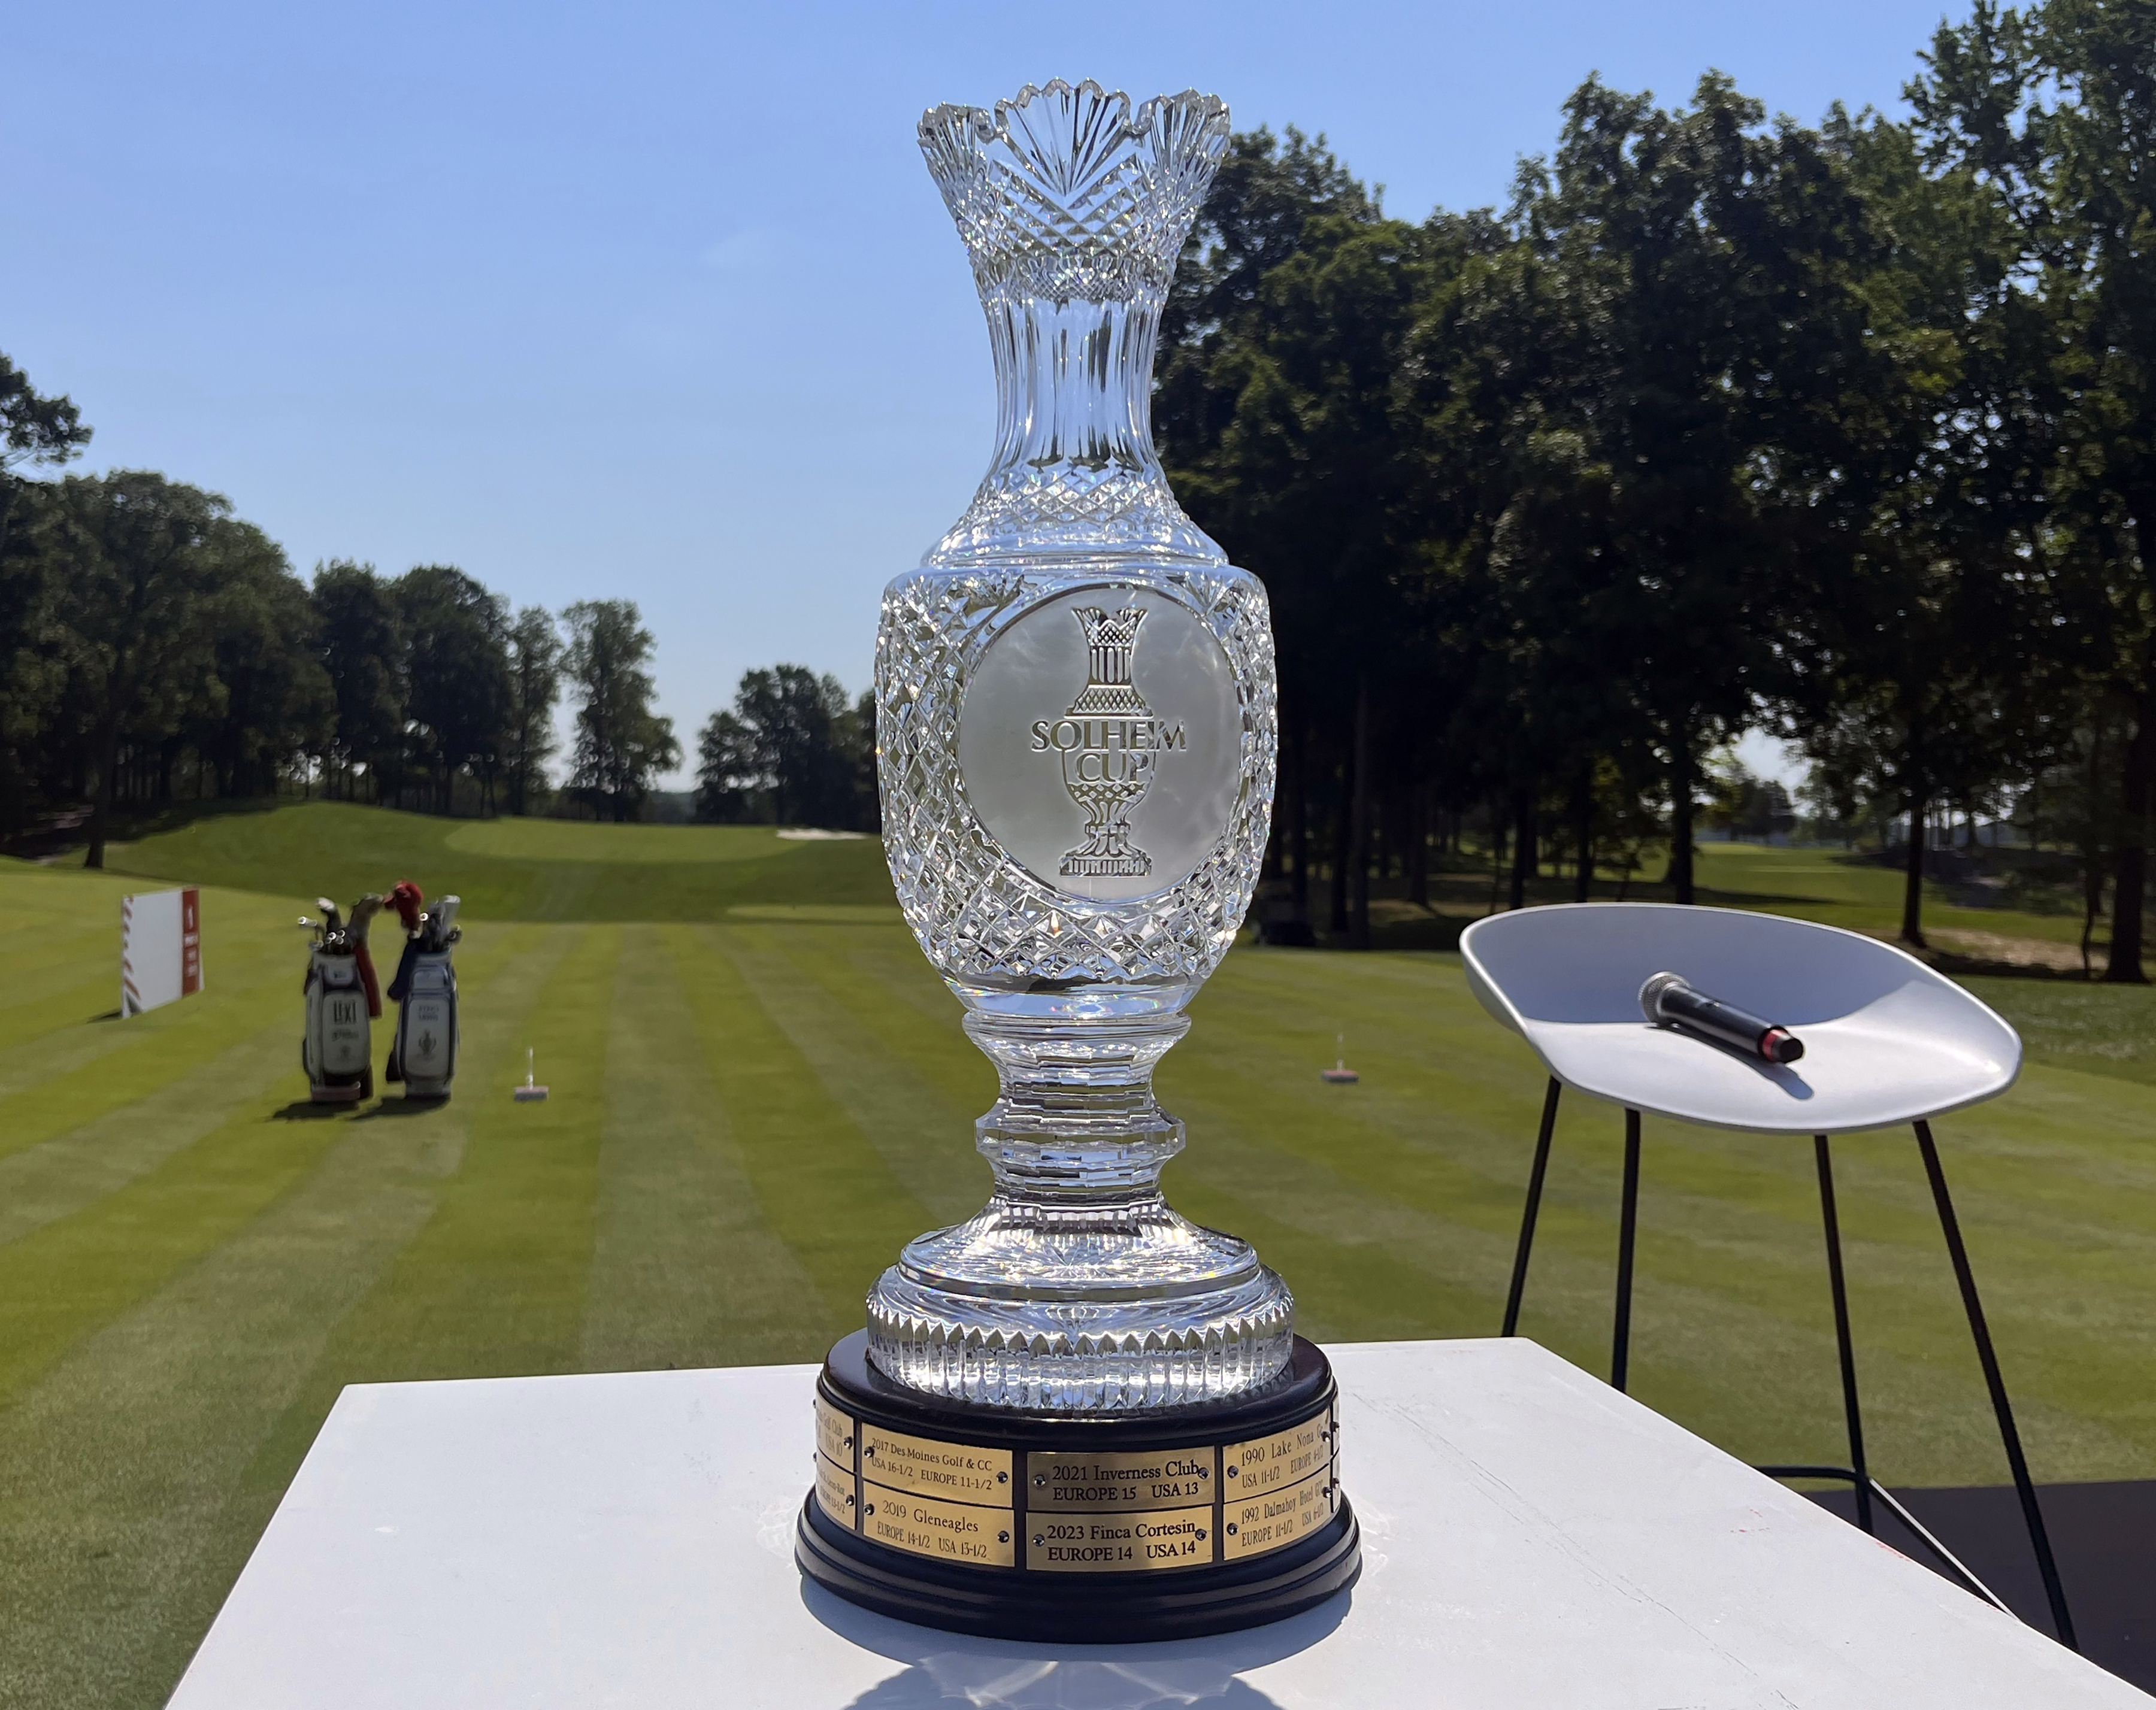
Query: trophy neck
(1075, 1124)
(1075, 474)
(1074, 206)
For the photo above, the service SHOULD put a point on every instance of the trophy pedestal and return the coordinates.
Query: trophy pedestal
(1107, 1528)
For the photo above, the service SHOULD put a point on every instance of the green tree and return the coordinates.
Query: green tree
(794, 741)
(1710, 264)
(535, 686)
(2050, 113)
(360, 641)
(266, 702)
(35, 431)
(141, 584)
(733, 783)
(458, 693)
(1274, 409)
(621, 744)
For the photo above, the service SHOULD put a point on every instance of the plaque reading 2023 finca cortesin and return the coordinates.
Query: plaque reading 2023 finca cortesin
(1078, 1415)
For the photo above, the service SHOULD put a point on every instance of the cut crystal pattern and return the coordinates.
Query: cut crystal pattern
(1073, 208)
(1076, 1288)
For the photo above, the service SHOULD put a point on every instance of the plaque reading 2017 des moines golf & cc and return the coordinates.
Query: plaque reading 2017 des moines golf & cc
(1078, 1415)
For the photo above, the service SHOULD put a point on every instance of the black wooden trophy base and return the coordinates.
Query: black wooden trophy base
(1101, 1530)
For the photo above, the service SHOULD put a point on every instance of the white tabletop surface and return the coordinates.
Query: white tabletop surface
(1531, 1538)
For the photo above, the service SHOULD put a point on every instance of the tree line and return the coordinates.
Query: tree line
(155, 648)
(1845, 432)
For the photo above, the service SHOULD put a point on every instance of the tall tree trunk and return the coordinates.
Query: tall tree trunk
(100, 812)
(2130, 873)
(1526, 855)
(1336, 916)
(1418, 847)
(1497, 806)
(1912, 878)
(1583, 834)
(1358, 836)
(1681, 775)
(1298, 809)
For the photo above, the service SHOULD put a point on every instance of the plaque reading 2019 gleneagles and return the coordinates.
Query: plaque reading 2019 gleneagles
(1077, 1415)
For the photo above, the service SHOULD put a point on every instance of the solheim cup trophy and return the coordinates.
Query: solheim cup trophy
(1078, 1415)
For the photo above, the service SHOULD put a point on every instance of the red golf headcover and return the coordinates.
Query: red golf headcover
(407, 900)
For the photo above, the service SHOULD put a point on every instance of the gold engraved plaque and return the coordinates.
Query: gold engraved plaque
(950, 1532)
(1119, 1543)
(1131, 1483)
(835, 1434)
(1274, 1462)
(1276, 1518)
(836, 1492)
(959, 1472)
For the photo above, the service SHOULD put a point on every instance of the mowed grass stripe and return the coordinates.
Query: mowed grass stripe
(823, 1186)
(124, 1511)
(147, 1461)
(877, 974)
(63, 1281)
(494, 1284)
(49, 1085)
(902, 1080)
(1731, 1323)
(58, 1176)
(686, 1271)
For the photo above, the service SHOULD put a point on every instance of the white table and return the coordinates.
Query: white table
(1531, 1538)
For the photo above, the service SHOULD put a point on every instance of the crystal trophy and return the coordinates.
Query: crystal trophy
(1077, 1403)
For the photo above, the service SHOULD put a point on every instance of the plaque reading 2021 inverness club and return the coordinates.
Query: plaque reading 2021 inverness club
(1077, 1416)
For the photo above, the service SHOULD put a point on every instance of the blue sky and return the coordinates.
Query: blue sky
(657, 300)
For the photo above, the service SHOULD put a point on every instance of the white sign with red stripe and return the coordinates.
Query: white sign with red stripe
(160, 949)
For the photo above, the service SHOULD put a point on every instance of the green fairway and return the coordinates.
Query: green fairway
(524, 869)
(759, 1091)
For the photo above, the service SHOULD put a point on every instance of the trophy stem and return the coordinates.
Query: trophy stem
(1076, 1123)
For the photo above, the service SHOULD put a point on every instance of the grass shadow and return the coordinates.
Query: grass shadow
(306, 1110)
(401, 1107)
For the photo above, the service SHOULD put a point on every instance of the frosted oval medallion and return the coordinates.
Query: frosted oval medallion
(1098, 741)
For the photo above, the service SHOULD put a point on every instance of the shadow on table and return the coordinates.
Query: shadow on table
(1003, 1674)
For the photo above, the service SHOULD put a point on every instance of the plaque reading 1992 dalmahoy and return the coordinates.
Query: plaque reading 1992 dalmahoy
(1077, 1415)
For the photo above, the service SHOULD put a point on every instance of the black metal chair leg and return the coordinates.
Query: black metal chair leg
(1533, 1207)
(1844, 1346)
(2061, 1621)
(1628, 1223)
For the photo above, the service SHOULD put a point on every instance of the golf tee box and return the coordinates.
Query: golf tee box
(160, 949)
(1092, 1528)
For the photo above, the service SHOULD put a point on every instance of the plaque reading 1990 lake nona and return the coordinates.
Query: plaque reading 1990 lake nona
(1078, 1415)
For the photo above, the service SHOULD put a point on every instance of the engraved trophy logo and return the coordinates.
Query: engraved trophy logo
(1108, 742)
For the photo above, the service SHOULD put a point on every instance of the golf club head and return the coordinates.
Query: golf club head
(329, 912)
(446, 914)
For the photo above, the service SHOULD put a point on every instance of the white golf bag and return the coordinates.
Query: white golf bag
(336, 1049)
(427, 1026)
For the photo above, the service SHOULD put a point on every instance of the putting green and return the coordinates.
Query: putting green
(751, 1109)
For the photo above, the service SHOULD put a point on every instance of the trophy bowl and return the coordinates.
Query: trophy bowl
(1077, 1414)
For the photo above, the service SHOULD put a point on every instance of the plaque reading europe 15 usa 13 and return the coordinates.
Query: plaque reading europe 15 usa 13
(1077, 1416)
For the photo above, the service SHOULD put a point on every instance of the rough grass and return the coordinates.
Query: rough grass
(750, 1110)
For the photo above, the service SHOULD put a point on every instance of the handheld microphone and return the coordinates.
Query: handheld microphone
(1668, 1001)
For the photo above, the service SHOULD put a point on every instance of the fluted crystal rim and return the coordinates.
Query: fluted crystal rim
(993, 124)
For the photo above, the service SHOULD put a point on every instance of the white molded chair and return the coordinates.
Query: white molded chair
(1887, 1041)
